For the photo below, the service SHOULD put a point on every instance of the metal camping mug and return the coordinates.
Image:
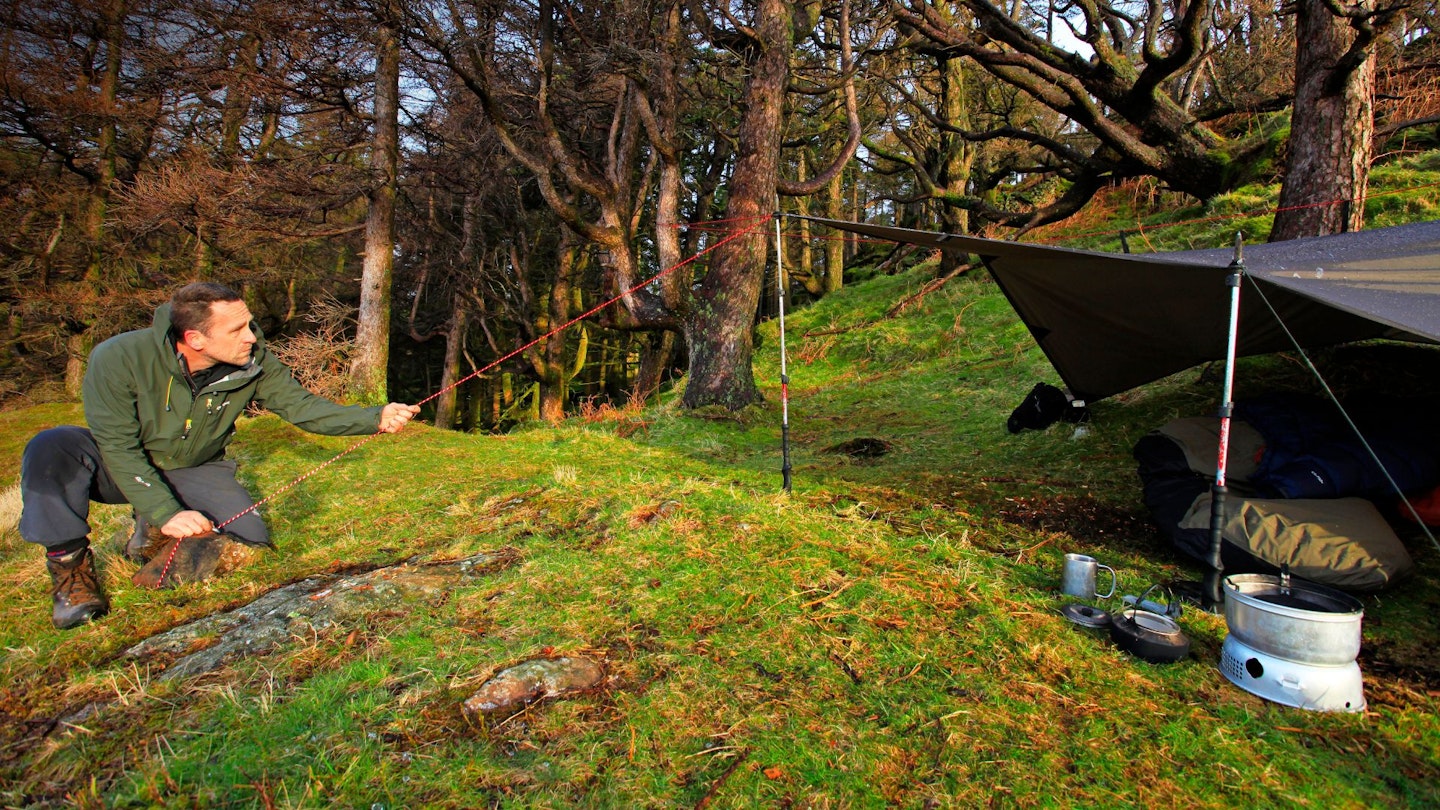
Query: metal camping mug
(1078, 578)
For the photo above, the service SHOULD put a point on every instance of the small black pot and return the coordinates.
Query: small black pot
(1149, 636)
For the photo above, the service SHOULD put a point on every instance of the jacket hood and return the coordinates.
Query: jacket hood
(160, 325)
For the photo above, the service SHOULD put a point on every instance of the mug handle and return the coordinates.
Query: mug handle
(1114, 582)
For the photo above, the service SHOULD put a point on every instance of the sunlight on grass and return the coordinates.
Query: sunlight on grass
(10, 513)
(887, 634)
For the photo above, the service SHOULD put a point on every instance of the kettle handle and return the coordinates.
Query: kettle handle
(1172, 607)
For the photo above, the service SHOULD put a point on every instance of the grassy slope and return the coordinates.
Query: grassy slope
(886, 634)
(1402, 190)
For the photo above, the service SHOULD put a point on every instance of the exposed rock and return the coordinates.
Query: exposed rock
(529, 681)
(304, 608)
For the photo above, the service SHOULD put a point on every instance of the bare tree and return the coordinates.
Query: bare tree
(1150, 99)
(74, 99)
(595, 173)
(1119, 97)
(171, 141)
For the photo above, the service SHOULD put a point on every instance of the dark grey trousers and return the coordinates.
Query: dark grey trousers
(61, 472)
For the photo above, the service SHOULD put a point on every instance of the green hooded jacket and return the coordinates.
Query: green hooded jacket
(139, 406)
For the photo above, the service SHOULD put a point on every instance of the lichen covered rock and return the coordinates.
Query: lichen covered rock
(529, 681)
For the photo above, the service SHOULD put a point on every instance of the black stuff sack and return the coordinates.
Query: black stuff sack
(1044, 406)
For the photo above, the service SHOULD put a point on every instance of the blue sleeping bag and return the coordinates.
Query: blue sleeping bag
(1311, 452)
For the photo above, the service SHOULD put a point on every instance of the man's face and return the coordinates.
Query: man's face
(228, 339)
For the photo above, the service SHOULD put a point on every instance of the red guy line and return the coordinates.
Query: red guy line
(557, 330)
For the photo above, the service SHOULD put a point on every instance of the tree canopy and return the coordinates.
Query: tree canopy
(463, 177)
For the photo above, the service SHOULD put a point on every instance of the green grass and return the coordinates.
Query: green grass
(17, 426)
(886, 635)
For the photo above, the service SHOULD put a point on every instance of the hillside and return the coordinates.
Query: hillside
(886, 634)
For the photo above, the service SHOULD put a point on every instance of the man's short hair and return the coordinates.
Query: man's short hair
(190, 306)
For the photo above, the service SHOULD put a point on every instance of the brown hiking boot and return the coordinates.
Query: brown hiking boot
(144, 544)
(75, 590)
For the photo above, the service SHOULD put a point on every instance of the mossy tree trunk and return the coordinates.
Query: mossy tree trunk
(1327, 168)
(372, 334)
(719, 327)
(445, 412)
(835, 246)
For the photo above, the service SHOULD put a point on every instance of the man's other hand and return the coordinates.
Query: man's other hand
(394, 416)
(187, 524)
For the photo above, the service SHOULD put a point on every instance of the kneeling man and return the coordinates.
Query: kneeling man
(161, 404)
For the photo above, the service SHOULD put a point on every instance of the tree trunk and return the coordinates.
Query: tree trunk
(655, 358)
(718, 330)
(445, 411)
(499, 389)
(372, 334)
(665, 93)
(814, 282)
(857, 214)
(835, 245)
(114, 19)
(234, 110)
(547, 359)
(803, 268)
(1328, 167)
(956, 156)
(77, 350)
(78, 346)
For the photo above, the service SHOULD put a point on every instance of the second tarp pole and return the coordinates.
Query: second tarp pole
(784, 375)
(1214, 596)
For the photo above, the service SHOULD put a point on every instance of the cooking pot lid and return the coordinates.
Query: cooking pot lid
(1085, 615)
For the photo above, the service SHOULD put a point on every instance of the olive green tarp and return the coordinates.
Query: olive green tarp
(1109, 322)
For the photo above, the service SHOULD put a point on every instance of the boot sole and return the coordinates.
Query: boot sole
(81, 618)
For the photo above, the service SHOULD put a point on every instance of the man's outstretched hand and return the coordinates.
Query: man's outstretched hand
(394, 416)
